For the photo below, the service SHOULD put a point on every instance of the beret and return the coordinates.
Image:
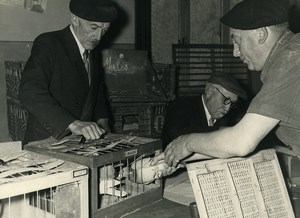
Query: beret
(94, 10)
(253, 14)
(229, 84)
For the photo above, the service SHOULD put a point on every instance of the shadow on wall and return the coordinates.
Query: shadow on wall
(115, 29)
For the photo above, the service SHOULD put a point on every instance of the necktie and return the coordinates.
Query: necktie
(86, 60)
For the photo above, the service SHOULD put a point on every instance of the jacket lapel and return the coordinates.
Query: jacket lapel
(73, 52)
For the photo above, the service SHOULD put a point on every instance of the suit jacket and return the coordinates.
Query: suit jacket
(185, 116)
(55, 89)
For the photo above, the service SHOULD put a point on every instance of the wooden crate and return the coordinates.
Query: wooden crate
(139, 118)
(13, 75)
(113, 189)
(37, 186)
(17, 115)
(196, 64)
(241, 187)
(130, 75)
(166, 74)
(17, 119)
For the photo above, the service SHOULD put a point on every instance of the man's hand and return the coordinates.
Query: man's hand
(167, 170)
(177, 150)
(157, 158)
(89, 130)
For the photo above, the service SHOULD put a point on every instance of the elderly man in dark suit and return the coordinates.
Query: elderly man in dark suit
(62, 86)
(203, 113)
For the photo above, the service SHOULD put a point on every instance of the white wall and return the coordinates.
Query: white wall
(20, 24)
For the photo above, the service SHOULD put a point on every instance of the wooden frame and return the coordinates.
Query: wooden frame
(196, 63)
(27, 174)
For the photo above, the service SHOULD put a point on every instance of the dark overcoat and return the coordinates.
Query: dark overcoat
(54, 86)
(185, 116)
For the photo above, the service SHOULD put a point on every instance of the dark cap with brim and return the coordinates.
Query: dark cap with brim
(94, 10)
(253, 14)
(229, 84)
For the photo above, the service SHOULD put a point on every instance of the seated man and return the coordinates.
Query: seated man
(202, 113)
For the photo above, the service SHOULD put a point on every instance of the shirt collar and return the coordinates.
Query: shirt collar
(209, 119)
(81, 48)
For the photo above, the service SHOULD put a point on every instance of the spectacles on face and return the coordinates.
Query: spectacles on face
(227, 101)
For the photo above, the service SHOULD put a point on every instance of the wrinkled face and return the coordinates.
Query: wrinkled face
(89, 33)
(219, 101)
(246, 46)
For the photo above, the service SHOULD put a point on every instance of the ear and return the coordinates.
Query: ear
(74, 20)
(209, 90)
(262, 35)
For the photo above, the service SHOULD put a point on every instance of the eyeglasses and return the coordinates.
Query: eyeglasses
(227, 101)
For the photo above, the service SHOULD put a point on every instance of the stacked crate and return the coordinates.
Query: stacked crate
(37, 186)
(166, 73)
(114, 187)
(139, 91)
(17, 115)
(139, 118)
(197, 63)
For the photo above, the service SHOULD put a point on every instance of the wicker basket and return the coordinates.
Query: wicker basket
(17, 120)
(16, 114)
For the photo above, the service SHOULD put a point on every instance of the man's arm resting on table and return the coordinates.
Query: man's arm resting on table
(238, 140)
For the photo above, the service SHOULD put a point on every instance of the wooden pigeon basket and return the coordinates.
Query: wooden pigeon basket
(114, 189)
(37, 186)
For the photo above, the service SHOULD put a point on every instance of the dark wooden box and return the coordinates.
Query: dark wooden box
(130, 75)
(139, 118)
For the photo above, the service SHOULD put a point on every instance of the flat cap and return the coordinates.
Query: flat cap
(229, 84)
(253, 14)
(94, 10)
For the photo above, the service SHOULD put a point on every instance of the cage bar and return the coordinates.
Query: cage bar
(36, 186)
(115, 189)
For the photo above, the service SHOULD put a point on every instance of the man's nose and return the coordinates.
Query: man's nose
(99, 33)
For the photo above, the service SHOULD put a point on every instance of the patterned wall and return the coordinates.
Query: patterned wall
(164, 15)
(205, 24)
